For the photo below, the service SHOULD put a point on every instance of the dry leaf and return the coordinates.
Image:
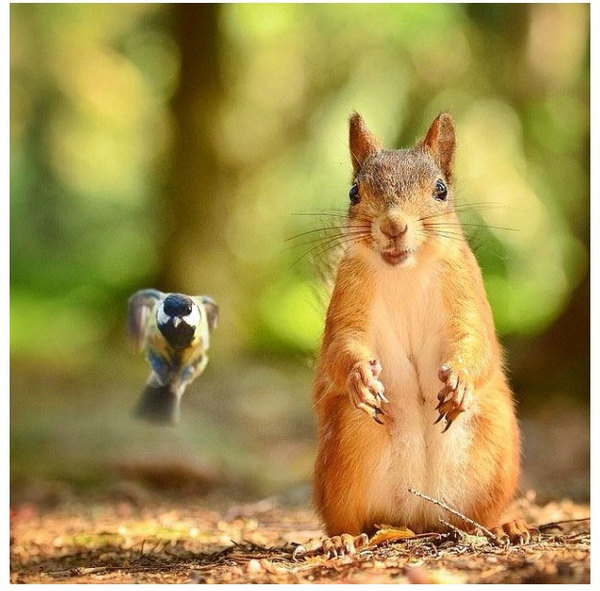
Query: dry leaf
(390, 534)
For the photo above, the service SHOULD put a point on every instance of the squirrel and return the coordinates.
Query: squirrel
(409, 342)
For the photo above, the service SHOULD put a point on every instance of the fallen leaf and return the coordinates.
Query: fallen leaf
(390, 534)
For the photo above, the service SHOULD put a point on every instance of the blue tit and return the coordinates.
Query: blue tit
(173, 330)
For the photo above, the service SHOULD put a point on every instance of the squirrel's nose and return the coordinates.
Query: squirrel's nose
(393, 228)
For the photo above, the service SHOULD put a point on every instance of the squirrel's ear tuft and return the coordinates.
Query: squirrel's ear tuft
(362, 142)
(440, 142)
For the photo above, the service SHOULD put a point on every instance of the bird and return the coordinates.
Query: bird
(173, 329)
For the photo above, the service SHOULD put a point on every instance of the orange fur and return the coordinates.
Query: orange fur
(418, 300)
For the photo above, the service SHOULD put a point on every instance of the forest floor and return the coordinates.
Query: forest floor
(160, 540)
(97, 497)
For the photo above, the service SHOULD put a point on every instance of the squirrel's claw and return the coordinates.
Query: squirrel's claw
(382, 397)
(373, 412)
(514, 532)
(449, 412)
(366, 391)
(342, 545)
(455, 397)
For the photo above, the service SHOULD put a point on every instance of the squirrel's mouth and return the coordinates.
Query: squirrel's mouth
(397, 256)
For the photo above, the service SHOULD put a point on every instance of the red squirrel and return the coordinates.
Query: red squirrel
(410, 389)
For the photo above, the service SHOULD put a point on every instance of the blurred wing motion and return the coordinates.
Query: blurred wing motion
(141, 304)
(211, 308)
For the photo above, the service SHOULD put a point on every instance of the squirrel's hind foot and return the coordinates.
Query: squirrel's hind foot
(513, 532)
(343, 545)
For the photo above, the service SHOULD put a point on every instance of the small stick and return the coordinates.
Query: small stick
(455, 529)
(559, 523)
(455, 512)
(254, 546)
(79, 571)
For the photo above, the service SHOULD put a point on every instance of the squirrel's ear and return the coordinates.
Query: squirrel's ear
(362, 142)
(440, 142)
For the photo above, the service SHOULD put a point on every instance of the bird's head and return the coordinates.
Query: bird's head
(177, 318)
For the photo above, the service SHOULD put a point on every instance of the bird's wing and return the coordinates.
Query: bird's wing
(140, 306)
(212, 310)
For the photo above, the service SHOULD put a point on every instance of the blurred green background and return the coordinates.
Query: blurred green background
(173, 145)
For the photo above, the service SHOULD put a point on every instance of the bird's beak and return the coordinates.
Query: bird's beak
(176, 321)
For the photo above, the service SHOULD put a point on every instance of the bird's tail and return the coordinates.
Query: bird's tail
(158, 405)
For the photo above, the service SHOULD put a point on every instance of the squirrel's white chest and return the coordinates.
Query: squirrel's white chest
(409, 332)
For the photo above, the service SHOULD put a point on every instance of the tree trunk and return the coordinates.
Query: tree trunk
(194, 208)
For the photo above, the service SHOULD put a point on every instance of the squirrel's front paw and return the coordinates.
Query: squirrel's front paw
(366, 391)
(456, 395)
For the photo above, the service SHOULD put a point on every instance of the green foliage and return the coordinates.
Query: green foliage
(92, 134)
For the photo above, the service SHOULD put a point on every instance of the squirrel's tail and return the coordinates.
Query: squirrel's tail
(158, 405)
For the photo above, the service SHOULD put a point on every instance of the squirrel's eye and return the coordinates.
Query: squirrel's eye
(353, 193)
(440, 192)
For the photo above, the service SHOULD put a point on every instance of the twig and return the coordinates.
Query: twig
(465, 538)
(559, 523)
(79, 571)
(453, 528)
(254, 546)
(581, 535)
(455, 512)
(238, 545)
(425, 536)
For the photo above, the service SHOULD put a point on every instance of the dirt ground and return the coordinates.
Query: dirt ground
(196, 541)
